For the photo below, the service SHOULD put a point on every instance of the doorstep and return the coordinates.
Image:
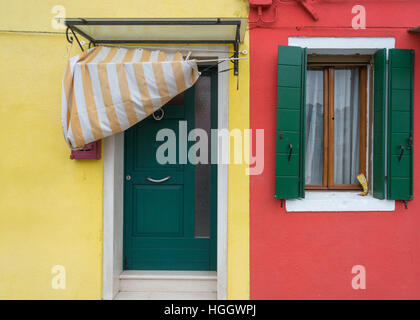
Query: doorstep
(163, 285)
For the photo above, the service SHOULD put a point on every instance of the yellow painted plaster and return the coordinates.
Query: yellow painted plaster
(51, 206)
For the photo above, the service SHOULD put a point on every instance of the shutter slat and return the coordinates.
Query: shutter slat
(291, 75)
(400, 124)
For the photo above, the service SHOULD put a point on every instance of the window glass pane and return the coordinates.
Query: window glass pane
(314, 127)
(346, 125)
(202, 171)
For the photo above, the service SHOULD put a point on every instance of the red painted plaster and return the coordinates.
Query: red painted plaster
(310, 255)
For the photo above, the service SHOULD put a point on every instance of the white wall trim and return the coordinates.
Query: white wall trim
(338, 201)
(112, 214)
(343, 45)
(222, 179)
(113, 193)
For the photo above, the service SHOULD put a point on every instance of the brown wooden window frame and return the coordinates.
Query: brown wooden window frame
(320, 63)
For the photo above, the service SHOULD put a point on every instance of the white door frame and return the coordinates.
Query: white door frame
(113, 158)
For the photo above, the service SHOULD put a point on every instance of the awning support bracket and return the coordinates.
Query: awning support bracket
(70, 38)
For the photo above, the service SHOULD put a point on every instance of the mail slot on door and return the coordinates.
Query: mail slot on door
(90, 151)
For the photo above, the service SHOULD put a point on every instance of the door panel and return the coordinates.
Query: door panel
(176, 254)
(165, 211)
(150, 208)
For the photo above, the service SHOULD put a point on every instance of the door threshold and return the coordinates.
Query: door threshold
(183, 296)
(167, 275)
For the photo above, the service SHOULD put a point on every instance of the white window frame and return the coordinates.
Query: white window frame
(337, 201)
(113, 171)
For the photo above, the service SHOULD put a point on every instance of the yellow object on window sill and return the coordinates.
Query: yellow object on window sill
(362, 179)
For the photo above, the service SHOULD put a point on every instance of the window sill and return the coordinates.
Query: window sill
(338, 201)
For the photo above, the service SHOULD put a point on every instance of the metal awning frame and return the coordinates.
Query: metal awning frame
(73, 23)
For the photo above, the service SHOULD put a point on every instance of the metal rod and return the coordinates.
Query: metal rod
(198, 60)
(175, 48)
(163, 41)
(221, 59)
(104, 22)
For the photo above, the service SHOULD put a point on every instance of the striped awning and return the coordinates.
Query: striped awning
(106, 90)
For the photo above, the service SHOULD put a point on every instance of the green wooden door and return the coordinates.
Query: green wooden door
(163, 204)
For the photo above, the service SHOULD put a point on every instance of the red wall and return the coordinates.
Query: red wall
(310, 255)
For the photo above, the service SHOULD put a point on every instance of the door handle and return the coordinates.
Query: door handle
(158, 181)
(401, 154)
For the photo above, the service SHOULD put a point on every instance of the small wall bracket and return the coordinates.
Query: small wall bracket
(309, 9)
(70, 38)
(236, 54)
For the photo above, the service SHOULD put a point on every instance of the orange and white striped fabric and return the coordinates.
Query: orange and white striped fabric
(106, 90)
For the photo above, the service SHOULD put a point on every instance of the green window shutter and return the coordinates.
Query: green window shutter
(290, 132)
(379, 109)
(400, 124)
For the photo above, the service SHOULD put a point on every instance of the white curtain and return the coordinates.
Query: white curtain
(346, 125)
(314, 127)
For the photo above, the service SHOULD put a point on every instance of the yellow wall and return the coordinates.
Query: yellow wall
(238, 194)
(51, 206)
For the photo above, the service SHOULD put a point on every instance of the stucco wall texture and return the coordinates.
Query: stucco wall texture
(51, 206)
(310, 255)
